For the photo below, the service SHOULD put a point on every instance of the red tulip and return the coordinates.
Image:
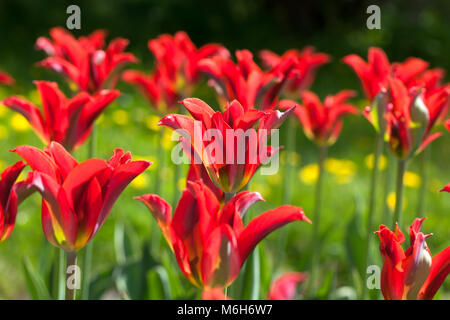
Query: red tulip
(85, 61)
(67, 121)
(177, 56)
(160, 92)
(176, 70)
(374, 74)
(245, 81)
(411, 274)
(9, 199)
(282, 288)
(229, 168)
(322, 123)
(77, 197)
(285, 286)
(210, 241)
(409, 120)
(6, 78)
(446, 188)
(307, 62)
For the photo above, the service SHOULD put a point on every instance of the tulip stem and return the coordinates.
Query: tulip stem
(316, 219)
(71, 275)
(424, 159)
(372, 198)
(61, 274)
(228, 196)
(401, 168)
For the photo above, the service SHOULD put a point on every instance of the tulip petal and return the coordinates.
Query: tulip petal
(285, 286)
(440, 268)
(264, 224)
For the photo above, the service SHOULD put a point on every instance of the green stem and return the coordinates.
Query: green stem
(424, 159)
(316, 220)
(87, 254)
(401, 168)
(387, 187)
(228, 196)
(71, 261)
(61, 274)
(372, 198)
(156, 236)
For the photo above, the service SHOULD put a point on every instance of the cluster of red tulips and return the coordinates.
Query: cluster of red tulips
(206, 231)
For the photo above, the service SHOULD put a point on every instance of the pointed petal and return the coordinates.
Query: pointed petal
(264, 224)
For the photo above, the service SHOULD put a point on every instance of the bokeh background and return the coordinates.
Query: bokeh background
(128, 252)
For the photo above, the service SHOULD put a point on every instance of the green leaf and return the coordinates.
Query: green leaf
(36, 284)
(356, 244)
(158, 284)
(252, 277)
(327, 284)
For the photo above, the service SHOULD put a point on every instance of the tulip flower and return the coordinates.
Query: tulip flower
(231, 163)
(6, 78)
(85, 61)
(66, 121)
(446, 188)
(374, 74)
(282, 288)
(178, 55)
(414, 273)
(9, 199)
(307, 63)
(210, 241)
(322, 123)
(245, 81)
(77, 197)
(176, 70)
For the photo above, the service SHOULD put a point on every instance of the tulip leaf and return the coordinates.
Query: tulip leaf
(356, 244)
(158, 284)
(36, 284)
(252, 277)
(327, 284)
(377, 111)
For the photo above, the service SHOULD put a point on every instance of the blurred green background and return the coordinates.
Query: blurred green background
(127, 254)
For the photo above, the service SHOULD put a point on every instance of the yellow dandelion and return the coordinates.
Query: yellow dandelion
(152, 122)
(411, 179)
(3, 132)
(382, 164)
(343, 170)
(140, 182)
(2, 110)
(391, 199)
(19, 123)
(121, 117)
(167, 141)
(309, 173)
(181, 184)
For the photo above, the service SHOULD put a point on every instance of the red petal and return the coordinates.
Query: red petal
(440, 268)
(285, 286)
(264, 224)
(38, 160)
